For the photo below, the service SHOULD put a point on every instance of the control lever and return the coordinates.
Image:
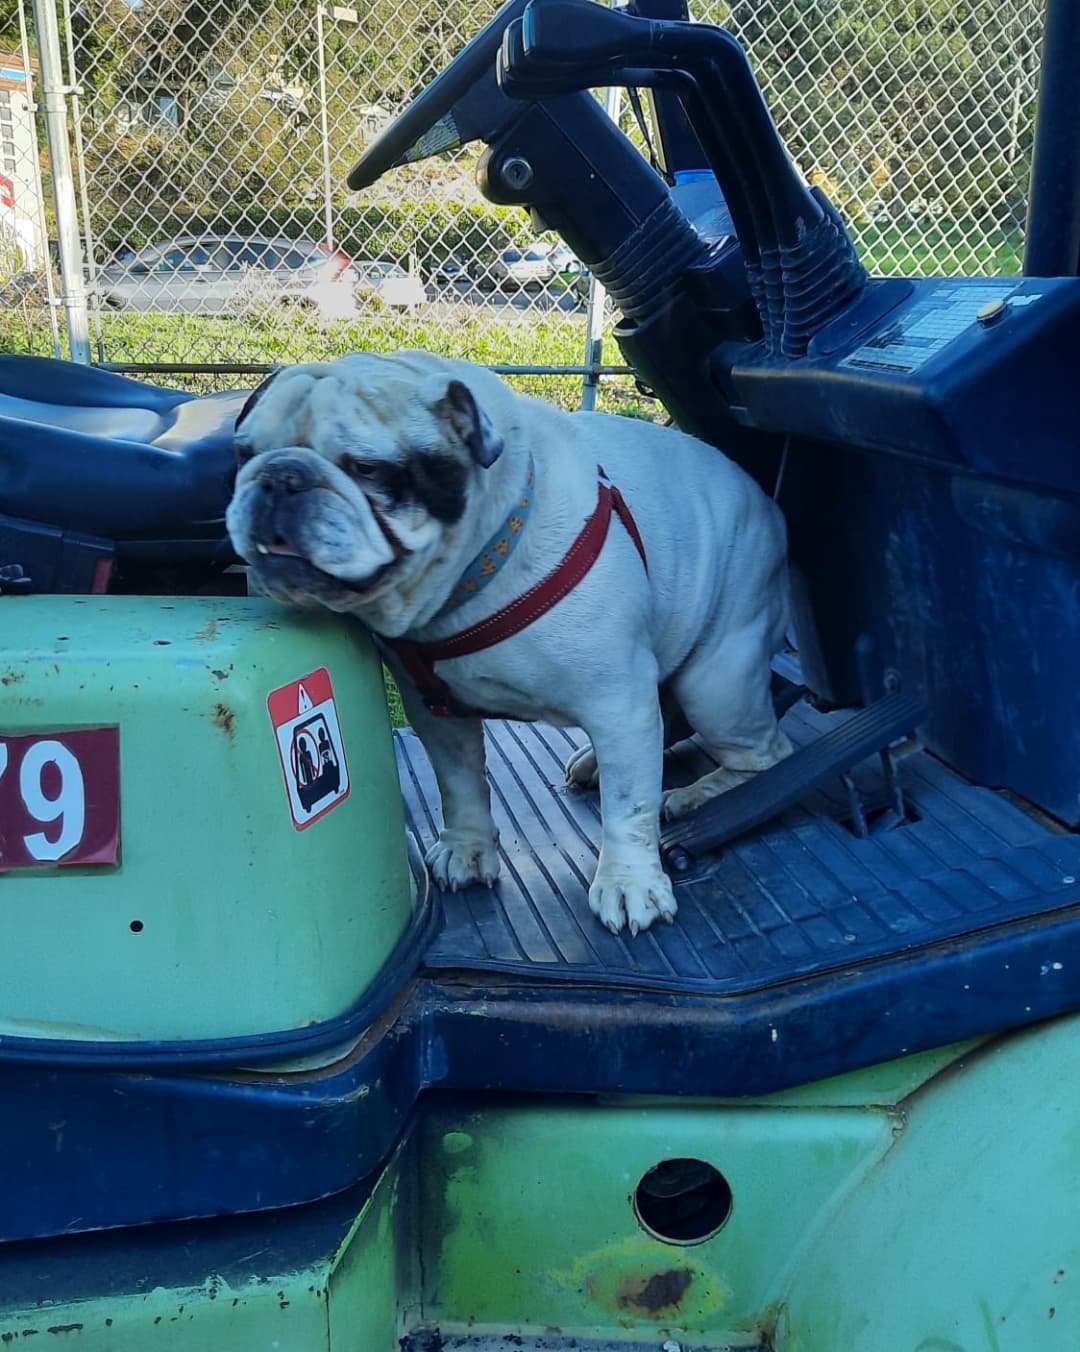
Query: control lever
(576, 33)
(792, 238)
(519, 78)
(521, 70)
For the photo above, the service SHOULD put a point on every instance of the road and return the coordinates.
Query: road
(535, 298)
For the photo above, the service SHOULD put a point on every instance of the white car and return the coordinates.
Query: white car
(213, 274)
(395, 287)
(568, 272)
(564, 262)
(522, 267)
(449, 272)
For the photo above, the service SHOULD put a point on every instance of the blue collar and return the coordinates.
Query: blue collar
(495, 553)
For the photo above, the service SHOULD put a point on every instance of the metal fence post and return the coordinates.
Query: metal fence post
(54, 92)
(594, 344)
(39, 191)
(84, 197)
(594, 306)
(324, 128)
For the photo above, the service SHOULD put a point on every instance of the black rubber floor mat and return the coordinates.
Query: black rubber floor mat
(798, 896)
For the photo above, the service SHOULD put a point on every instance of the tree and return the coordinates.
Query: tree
(904, 104)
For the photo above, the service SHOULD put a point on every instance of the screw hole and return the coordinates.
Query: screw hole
(683, 1201)
(136, 927)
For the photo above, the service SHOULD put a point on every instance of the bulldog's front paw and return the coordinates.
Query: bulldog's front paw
(581, 771)
(632, 897)
(460, 858)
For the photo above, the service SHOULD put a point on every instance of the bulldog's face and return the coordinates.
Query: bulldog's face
(351, 475)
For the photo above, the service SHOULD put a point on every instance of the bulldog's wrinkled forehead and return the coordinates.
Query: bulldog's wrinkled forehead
(372, 408)
(336, 412)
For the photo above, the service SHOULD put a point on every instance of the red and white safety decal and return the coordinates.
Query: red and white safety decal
(309, 742)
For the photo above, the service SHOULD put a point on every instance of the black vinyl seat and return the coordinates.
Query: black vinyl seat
(86, 450)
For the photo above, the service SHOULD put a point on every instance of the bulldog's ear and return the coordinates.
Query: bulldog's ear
(255, 395)
(470, 423)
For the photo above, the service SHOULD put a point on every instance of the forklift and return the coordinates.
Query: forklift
(264, 1086)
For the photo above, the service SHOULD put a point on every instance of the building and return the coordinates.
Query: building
(22, 247)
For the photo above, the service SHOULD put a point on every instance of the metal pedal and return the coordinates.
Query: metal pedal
(831, 756)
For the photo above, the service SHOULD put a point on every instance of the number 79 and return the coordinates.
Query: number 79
(68, 806)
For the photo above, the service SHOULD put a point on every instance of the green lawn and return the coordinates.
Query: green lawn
(393, 700)
(501, 338)
(952, 249)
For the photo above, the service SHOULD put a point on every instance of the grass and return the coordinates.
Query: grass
(506, 337)
(939, 249)
(393, 702)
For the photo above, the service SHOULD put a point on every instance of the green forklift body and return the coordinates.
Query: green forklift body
(925, 1205)
(213, 908)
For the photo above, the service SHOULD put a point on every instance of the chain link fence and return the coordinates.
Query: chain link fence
(211, 140)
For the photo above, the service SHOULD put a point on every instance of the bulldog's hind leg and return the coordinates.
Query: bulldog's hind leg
(467, 850)
(725, 692)
(581, 771)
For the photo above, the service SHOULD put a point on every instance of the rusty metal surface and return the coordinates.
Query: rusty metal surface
(431, 1340)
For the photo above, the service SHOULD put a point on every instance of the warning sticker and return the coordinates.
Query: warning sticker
(930, 325)
(308, 734)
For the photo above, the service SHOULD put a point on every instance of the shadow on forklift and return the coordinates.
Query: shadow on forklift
(831, 1108)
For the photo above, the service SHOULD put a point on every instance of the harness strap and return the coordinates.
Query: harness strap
(419, 658)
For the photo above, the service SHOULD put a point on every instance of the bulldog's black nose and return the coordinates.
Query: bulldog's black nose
(288, 475)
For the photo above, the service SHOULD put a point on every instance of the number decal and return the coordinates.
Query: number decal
(68, 807)
(60, 798)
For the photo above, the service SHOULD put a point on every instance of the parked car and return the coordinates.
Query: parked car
(390, 283)
(565, 263)
(23, 289)
(569, 273)
(521, 267)
(212, 274)
(449, 272)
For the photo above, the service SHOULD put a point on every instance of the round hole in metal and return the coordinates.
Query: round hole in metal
(683, 1201)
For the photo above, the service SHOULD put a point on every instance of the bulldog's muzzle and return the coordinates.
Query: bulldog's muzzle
(277, 513)
(302, 526)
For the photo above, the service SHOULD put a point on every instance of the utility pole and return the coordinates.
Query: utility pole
(54, 93)
(341, 14)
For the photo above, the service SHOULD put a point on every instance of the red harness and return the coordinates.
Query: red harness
(419, 658)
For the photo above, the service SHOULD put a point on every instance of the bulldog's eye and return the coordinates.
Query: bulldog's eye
(244, 453)
(363, 471)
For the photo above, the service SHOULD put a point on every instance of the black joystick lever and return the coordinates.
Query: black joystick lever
(519, 78)
(801, 265)
(524, 74)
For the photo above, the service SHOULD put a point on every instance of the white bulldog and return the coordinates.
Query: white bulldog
(424, 497)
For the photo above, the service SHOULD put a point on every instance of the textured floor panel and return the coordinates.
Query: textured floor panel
(799, 896)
